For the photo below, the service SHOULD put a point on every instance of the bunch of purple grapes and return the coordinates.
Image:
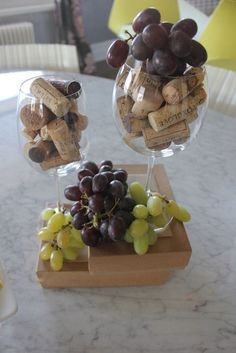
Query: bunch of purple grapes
(164, 48)
(102, 211)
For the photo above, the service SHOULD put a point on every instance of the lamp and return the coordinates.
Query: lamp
(123, 12)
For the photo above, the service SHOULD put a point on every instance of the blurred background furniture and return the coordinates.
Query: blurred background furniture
(123, 12)
(71, 31)
(219, 39)
(57, 57)
(17, 33)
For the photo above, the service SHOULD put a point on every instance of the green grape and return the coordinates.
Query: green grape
(128, 238)
(184, 215)
(138, 228)
(63, 238)
(152, 236)
(76, 234)
(56, 260)
(68, 218)
(172, 208)
(74, 243)
(47, 213)
(138, 193)
(140, 211)
(154, 205)
(70, 253)
(159, 221)
(45, 235)
(141, 245)
(56, 222)
(46, 251)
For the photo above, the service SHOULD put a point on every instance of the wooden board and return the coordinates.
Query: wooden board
(116, 264)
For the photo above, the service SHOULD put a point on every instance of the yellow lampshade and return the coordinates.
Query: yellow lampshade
(123, 12)
(219, 36)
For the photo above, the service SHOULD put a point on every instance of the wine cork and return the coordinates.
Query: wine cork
(35, 115)
(124, 105)
(122, 77)
(53, 161)
(133, 125)
(67, 88)
(154, 139)
(29, 134)
(199, 94)
(177, 89)
(50, 96)
(129, 137)
(64, 140)
(41, 150)
(143, 79)
(74, 107)
(27, 147)
(195, 76)
(44, 134)
(148, 99)
(171, 114)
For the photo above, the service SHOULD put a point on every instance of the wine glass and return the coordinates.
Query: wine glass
(51, 123)
(158, 116)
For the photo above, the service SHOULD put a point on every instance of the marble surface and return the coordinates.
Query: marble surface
(194, 312)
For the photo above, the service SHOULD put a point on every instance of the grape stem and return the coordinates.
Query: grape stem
(130, 36)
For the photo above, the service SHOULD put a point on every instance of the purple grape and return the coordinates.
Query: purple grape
(109, 202)
(167, 26)
(181, 67)
(180, 44)
(84, 172)
(90, 215)
(126, 204)
(187, 25)
(100, 183)
(96, 203)
(76, 207)
(80, 218)
(149, 67)
(126, 216)
(72, 193)
(198, 54)
(117, 53)
(106, 162)
(86, 185)
(105, 168)
(90, 166)
(139, 49)
(109, 175)
(144, 18)
(164, 62)
(104, 229)
(116, 188)
(121, 175)
(155, 36)
(91, 236)
(117, 228)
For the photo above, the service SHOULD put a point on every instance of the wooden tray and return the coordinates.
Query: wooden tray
(116, 264)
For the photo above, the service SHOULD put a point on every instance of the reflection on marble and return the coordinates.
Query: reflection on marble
(194, 312)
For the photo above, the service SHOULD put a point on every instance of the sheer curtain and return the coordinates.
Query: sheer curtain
(69, 20)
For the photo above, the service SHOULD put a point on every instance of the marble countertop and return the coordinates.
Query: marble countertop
(195, 311)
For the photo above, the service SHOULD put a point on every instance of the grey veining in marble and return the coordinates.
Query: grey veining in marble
(195, 312)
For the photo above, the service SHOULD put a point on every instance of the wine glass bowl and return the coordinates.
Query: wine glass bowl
(51, 123)
(157, 115)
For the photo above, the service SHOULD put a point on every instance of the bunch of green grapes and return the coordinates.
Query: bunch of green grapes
(151, 211)
(61, 241)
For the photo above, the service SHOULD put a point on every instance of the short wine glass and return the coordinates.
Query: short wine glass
(51, 123)
(158, 116)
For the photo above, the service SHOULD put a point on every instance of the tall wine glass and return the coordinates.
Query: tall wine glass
(51, 123)
(158, 116)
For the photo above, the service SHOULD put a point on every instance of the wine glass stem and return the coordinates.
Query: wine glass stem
(151, 163)
(58, 191)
